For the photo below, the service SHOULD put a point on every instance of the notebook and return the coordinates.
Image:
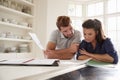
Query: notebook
(30, 62)
(100, 64)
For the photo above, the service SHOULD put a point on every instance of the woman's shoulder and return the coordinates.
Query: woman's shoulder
(107, 41)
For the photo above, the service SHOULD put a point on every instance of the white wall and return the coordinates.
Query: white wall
(55, 8)
(46, 14)
(40, 25)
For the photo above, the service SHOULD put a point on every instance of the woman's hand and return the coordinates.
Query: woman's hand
(83, 51)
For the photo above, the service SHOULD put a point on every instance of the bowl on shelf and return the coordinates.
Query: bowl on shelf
(26, 37)
(2, 49)
(1, 19)
(13, 21)
(3, 35)
(23, 48)
(23, 24)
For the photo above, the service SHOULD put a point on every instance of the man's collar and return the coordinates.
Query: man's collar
(62, 36)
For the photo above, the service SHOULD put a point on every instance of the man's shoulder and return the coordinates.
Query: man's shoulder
(77, 31)
(56, 31)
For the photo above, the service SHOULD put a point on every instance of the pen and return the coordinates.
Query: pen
(2, 60)
(27, 60)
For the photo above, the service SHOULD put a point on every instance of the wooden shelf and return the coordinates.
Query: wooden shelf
(24, 2)
(14, 19)
(14, 25)
(12, 11)
(16, 53)
(17, 40)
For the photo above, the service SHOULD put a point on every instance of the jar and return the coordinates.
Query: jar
(19, 7)
(1, 2)
(5, 3)
(23, 48)
(3, 34)
(13, 5)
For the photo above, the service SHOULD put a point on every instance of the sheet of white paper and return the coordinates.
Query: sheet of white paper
(30, 62)
(14, 61)
(74, 61)
(36, 40)
(42, 61)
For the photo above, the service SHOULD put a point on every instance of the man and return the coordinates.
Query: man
(64, 41)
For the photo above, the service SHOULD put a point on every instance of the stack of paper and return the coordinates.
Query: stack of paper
(100, 64)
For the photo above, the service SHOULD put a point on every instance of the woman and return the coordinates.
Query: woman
(96, 45)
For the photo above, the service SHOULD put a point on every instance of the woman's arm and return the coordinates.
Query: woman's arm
(100, 57)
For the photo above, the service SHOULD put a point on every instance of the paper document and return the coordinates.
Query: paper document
(44, 62)
(31, 62)
(72, 62)
(36, 40)
(100, 64)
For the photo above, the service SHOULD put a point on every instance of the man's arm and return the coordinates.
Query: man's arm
(67, 53)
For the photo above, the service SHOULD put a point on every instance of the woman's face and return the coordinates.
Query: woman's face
(89, 35)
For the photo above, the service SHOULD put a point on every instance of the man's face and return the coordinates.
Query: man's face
(67, 31)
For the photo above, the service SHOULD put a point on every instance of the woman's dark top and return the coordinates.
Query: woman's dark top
(105, 47)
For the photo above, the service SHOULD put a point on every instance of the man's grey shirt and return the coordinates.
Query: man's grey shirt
(62, 42)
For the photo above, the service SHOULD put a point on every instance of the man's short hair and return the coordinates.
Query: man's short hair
(63, 21)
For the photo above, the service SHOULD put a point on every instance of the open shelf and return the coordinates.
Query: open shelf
(15, 25)
(15, 12)
(17, 40)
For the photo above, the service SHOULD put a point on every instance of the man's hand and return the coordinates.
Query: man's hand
(66, 53)
(73, 48)
(49, 54)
